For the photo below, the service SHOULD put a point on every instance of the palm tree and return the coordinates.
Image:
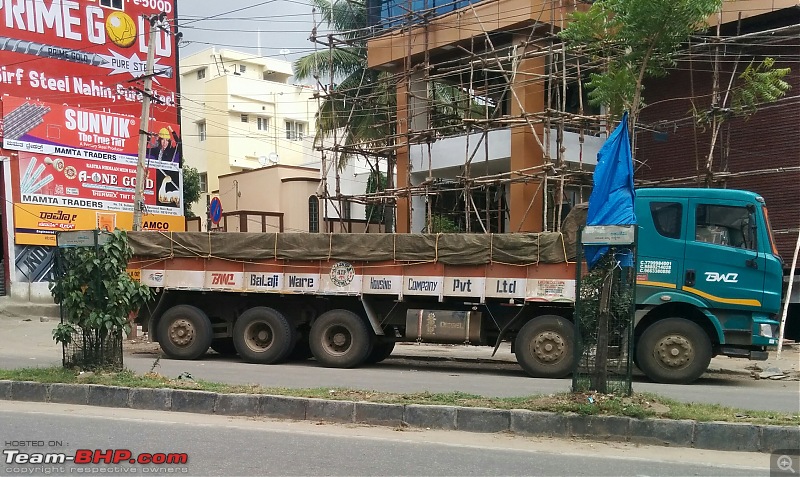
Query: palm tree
(362, 103)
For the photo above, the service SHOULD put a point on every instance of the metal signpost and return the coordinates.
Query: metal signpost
(215, 210)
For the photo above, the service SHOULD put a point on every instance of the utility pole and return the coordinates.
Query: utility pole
(138, 204)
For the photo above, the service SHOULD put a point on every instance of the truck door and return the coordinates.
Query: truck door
(722, 265)
(662, 239)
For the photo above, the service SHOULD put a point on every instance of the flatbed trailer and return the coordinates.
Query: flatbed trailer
(708, 283)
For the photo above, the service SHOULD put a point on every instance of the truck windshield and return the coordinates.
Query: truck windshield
(769, 233)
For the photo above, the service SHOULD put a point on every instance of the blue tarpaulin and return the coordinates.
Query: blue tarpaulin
(611, 202)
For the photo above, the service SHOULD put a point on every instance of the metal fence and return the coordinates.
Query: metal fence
(604, 310)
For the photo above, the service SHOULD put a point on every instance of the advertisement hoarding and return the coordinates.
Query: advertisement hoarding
(38, 224)
(70, 98)
(50, 128)
(87, 184)
(84, 53)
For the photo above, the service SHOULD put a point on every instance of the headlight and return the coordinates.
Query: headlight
(766, 330)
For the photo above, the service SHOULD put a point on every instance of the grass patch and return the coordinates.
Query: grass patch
(640, 405)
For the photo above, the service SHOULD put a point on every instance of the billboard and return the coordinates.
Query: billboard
(89, 184)
(38, 224)
(50, 128)
(70, 97)
(85, 53)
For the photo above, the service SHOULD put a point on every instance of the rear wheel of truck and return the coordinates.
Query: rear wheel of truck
(673, 350)
(184, 332)
(263, 335)
(340, 339)
(545, 347)
(380, 351)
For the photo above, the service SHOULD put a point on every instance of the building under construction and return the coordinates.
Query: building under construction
(490, 128)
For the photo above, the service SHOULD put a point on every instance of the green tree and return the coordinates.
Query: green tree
(96, 294)
(191, 189)
(362, 103)
(375, 183)
(633, 40)
(441, 224)
(758, 83)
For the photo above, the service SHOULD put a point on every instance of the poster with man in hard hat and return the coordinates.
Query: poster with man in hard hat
(165, 144)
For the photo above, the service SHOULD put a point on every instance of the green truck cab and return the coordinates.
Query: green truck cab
(709, 280)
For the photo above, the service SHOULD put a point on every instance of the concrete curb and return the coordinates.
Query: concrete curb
(673, 433)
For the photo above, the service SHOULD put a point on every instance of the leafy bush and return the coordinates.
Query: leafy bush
(97, 295)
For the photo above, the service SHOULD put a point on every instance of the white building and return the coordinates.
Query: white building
(241, 112)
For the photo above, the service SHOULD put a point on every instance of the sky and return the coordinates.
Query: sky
(284, 26)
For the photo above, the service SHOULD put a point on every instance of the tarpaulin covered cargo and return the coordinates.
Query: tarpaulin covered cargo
(449, 249)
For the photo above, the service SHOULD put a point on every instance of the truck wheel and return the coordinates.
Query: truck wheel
(673, 350)
(545, 347)
(340, 339)
(184, 332)
(224, 346)
(263, 335)
(380, 351)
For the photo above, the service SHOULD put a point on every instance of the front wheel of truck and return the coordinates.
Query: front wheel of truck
(184, 332)
(673, 351)
(545, 347)
(340, 339)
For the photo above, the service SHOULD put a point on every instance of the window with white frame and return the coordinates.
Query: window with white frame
(263, 123)
(245, 118)
(201, 130)
(116, 4)
(203, 182)
(201, 73)
(295, 130)
(242, 68)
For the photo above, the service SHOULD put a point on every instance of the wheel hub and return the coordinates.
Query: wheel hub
(338, 340)
(181, 332)
(258, 336)
(548, 346)
(675, 351)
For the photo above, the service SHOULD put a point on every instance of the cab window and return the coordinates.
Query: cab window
(667, 218)
(725, 225)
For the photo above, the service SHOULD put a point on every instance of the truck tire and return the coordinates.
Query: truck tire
(545, 347)
(673, 350)
(380, 351)
(184, 332)
(224, 346)
(263, 335)
(340, 339)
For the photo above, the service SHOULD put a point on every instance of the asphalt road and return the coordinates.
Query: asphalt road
(217, 445)
(30, 344)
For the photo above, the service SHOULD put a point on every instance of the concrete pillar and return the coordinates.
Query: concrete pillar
(526, 206)
(412, 116)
